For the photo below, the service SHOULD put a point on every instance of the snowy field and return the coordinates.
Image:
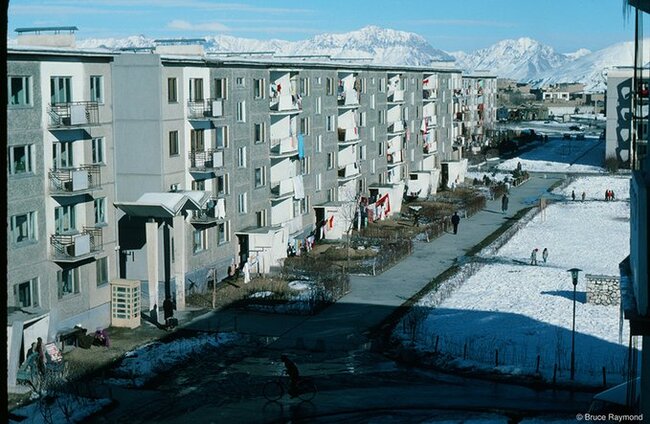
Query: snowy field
(62, 409)
(558, 155)
(594, 187)
(525, 310)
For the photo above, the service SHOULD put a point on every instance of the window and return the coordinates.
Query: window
(261, 218)
(304, 86)
(99, 206)
(305, 165)
(60, 90)
(222, 185)
(221, 137)
(373, 103)
(97, 88)
(319, 105)
(381, 116)
(19, 91)
(382, 85)
(198, 185)
(260, 176)
(329, 86)
(331, 195)
(373, 133)
(102, 271)
(172, 90)
(319, 144)
(64, 219)
(241, 111)
(329, 123)
(301, 206)
(260, 133)
(97, 147)
(223, 232)
(197, 140)
(68, 281)
(258, 88)
(24, 227)
(62, 155)
(381, 148)
(196, 90)
(26, 294)
(240, 82)
(173, 143)
(330, 160)
(373, 166)
(412, 98)
(405, 114)
(241, 157)
(362, 119)
(21, 160)
(319, 80)
(242, 203)
(221, 88)
(362, 153)
(200, 240)
(305, 126)
(319, 182)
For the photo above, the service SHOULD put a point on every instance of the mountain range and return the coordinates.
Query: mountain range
(523, 59)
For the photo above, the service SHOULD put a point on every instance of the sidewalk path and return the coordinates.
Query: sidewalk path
(372, 299)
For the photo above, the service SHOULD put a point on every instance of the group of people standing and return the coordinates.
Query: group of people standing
(609, 194)
(573, 195)
(533, 256)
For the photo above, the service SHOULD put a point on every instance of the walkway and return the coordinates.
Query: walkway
(371, 299)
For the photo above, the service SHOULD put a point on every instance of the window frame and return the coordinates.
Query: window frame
(26, 89)
(102, 270)
(97, 88)
(29, 159)
(73, 274)
(242, 203)
(174, 145)
(31, 226)
(261, 181)
(172, 90)
(97, 149)
(99, 211)
(34, 293)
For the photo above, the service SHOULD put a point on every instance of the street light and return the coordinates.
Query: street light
(574, 278)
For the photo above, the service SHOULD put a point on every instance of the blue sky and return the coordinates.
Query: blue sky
(566, 25)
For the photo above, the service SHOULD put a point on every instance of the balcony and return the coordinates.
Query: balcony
(282, 189)
(348, 98)
(349, 172)
(395, 96)
(284, 147)
(429, 95)
(73, 114)
(395, 158)
(348, 136)
(74, 181)
(430, 148)
(206, 160)
(213, 213)
(285, 103)
(396, 127)
(204, 109)
(76, 247)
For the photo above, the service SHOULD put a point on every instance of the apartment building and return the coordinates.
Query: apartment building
(61, 183)
(167, 165)
(477, 99)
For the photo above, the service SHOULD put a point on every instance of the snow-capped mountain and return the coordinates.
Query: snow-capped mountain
(523, 59)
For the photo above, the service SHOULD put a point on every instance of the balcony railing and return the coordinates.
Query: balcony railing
(205, 109)
(395, 158)
(203, 160)
(73, 114)
(76, 247)
(350, 170)
(75, 180)
(348, 98)
(283, 188)
(213, 213)
(396, 96)
(430, 147)
(431, 94)
(396, 127)
(348, 134)
(284, 146)
(286, 103)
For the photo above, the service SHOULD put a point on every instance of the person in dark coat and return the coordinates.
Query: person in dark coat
(168, 309)
(294, 374)
(545, 254)
(504, 203)
(573, 195)
(455, 220)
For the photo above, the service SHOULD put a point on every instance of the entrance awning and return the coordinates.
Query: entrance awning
(165, 205)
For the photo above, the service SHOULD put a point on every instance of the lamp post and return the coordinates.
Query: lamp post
(574, 279)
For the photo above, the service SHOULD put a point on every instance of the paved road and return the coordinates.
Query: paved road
(332, 347)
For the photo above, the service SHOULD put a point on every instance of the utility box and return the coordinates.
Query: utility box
(125, 303)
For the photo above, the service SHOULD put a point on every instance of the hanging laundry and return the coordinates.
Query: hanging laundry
(301, 146)
(220, 209)
(330, 222)
(298, 187)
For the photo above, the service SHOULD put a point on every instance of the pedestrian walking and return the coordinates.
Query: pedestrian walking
(246, 269)
(40, 351)
(584, 195)
(533, 257)
(573, 195)
(545, 254)
(455, 220)
(607, 194)
(611, 195)
(504, 203)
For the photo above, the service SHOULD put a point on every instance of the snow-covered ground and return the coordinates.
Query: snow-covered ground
(558, 155)
(144, 363)
(594, 187)
(62, 409)
(525, 311)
